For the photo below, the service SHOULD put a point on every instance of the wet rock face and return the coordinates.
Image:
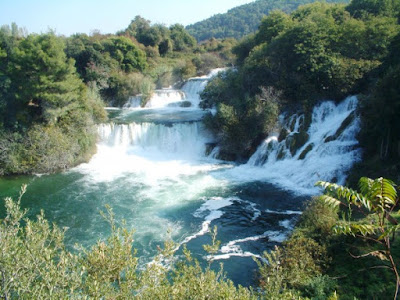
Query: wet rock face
(296, 141)
(305, 151)
(186, 104)
(283, 134)
(342, 128)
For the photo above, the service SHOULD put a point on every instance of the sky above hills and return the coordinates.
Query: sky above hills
(71, 16)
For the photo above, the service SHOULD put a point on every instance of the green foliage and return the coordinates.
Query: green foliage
(380, 110)
(182, 40)
(49, 114)
(240, 123)
(318, 218)
(50, 148)
(242, 20)
(310, 57)
(295, 268)
(43, 82)
(34, 264)
(122, 86)
(314, 52)
(376, 200)
(163, 40)
(367, 8)
(126, 53)
(33, 260)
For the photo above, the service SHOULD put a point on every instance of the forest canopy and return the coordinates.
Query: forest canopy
(243, 20)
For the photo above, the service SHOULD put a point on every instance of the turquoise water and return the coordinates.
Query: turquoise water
(151, 167)
(157, 178)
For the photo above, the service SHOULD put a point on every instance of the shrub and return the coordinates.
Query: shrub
(34, 264)
(123, 86)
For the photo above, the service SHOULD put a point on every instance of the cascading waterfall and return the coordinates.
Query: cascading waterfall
(190, 93)
(294, 159)
(151, 167)
(160, 98)
(325, 151)
(186, 139)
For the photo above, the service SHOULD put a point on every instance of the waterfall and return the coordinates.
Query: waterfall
(187, 139)
(192, 89)
(194, 86)
(188, 96)
(299, 157)
(160, 98)
(156, 167)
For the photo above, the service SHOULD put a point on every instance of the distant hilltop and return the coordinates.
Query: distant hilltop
(243, 19)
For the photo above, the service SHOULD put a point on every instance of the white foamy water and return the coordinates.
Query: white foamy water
(209, 211)
(328, 159)
(162, 98)
(183, 139)
(152, 165)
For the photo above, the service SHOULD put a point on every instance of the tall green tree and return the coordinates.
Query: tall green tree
(181, 38)
(367, 8)
(126, 53)
(44, 85)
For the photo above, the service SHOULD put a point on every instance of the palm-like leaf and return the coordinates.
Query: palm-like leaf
(354, 229)
(379, 196)
(338, 192)
(381, 192)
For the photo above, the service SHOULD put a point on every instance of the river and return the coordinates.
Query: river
(152, 168)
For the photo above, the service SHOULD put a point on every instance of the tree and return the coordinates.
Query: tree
(49, 114)
(271, 26)
(44, 85)
(366, 8)
(377, 199)
(126, 53)
(181, 38)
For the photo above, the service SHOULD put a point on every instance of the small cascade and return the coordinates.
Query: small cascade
(194, 86)
(160, 98)
(188, 96)
(165, 97)
(192, 89)
(186, 139)
(133, 102)
(298, 156)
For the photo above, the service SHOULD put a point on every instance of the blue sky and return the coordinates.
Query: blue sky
(71, 16)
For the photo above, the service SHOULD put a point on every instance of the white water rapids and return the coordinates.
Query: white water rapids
(151, 167)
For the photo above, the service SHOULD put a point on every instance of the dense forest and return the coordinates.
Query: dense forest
(345, 246)
(243, 20)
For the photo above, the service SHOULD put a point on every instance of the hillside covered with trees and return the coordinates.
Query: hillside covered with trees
(243, 20)
(320, 51)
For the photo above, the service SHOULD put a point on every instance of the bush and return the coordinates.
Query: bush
(318, 219)
(123, 86)
(36, 265)
(240, 123)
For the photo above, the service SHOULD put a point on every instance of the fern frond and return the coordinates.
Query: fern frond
(388, 232)
(331, 201)
(354, 229)
(365, 184)
(381, 191)
(339, 192)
